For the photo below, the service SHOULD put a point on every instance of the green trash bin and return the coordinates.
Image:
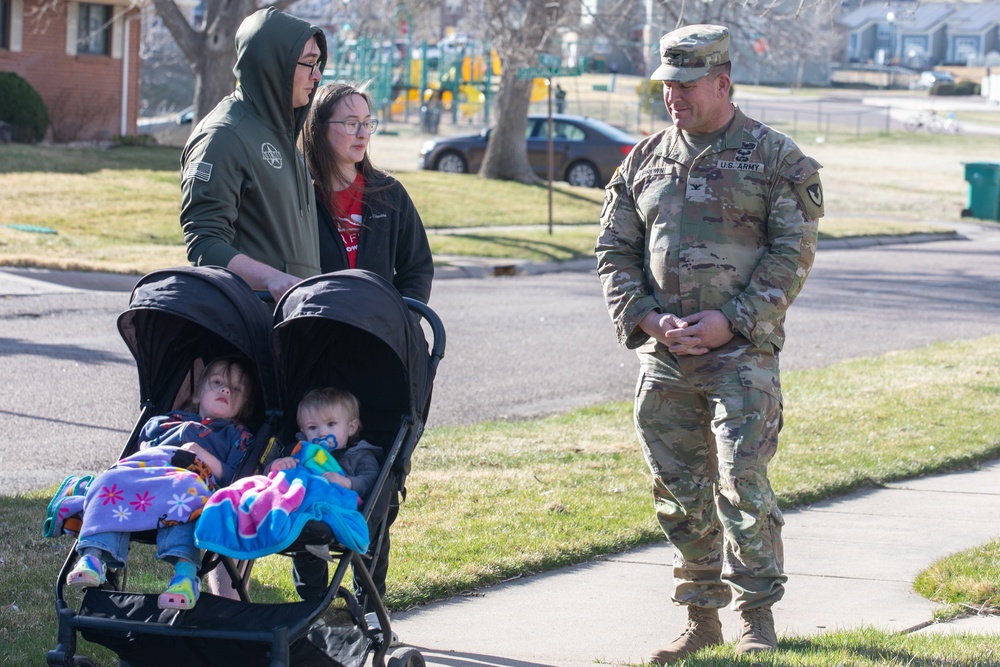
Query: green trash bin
(984, 190)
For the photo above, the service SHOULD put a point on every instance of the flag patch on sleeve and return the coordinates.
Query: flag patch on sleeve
(200, 170)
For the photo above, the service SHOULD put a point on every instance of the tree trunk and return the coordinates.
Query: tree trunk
(210, 50)
(506, 155)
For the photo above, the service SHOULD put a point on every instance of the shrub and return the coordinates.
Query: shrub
(22, 107)
(956, 88)
(967, 88)
(942, 88)
(650, 94)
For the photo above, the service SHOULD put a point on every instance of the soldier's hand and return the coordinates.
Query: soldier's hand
(705, 331)
(656, 325)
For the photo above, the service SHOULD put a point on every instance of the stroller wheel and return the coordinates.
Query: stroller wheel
(406, 657)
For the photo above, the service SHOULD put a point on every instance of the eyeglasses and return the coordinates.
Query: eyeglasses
(352, 126)
(312, 67)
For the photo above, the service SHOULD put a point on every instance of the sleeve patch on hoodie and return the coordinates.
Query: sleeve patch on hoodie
(200, 170)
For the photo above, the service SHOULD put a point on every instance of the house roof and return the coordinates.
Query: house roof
(910, 17)
(974, 19)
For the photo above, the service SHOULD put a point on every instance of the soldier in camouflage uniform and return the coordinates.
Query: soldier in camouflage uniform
(708, 232)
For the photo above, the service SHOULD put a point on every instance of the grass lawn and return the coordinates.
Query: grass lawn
(117, 209)
(498, 500)
(968, 581)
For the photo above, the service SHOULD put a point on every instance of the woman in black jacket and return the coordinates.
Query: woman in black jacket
(366, 218)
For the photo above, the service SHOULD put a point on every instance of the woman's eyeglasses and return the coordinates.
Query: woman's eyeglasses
(352, 126)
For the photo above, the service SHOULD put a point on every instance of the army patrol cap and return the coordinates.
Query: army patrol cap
(688, 53)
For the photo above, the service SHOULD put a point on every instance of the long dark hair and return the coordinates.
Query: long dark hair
(320, 158)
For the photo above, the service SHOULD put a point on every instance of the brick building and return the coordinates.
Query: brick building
(82, 58)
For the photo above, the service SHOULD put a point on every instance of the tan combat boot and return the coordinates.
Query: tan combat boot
(757, 634)
(703, 629)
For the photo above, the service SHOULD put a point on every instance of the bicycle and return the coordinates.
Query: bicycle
(934, 123)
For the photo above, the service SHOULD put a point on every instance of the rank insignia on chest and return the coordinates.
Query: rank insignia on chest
(697, 189)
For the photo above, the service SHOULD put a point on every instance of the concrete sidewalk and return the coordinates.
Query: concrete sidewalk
(851, 562)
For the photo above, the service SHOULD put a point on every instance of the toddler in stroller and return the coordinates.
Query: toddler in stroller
(183, 457)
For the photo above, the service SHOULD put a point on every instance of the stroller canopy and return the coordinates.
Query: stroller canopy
(181, 317)
(352, 329)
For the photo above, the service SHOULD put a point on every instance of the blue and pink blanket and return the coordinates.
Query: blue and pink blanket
(260, 515)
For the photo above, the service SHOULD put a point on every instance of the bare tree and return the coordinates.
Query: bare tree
(208, 47)
(794, 35)
(519, 31)
(792, 30)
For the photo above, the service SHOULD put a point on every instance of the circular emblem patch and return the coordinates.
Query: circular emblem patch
(271, 155)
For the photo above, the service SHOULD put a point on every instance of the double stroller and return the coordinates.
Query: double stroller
(349, 329)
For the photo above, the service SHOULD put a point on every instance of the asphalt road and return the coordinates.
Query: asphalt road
(517, 347)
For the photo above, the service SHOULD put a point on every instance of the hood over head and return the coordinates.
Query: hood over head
(268, 46)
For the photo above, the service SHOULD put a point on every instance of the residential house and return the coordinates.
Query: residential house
(82, 58)
(922, 35)
(973, 33)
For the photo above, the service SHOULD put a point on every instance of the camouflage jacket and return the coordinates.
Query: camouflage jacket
(732, 229)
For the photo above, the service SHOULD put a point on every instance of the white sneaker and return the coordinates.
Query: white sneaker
(371, 619)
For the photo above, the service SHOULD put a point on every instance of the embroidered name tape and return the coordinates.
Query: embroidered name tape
(740, 166)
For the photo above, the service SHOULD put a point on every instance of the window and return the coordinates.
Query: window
(94, 29)
(568, 131)
(966, 48)
(5, 24)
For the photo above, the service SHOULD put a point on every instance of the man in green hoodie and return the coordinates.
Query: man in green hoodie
(247, 198)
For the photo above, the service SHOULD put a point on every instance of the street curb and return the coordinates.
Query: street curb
(868, 241)
(455, 266)
(452, 266)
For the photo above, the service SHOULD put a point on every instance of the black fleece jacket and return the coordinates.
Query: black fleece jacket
(392, 243)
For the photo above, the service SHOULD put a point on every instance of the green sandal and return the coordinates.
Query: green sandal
(89, 571)
(181, 593)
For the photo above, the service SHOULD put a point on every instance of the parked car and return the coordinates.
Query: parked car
(170, 130)
(927, 79)
(585, 151)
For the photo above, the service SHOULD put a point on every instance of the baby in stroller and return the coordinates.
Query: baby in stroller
(329, 422)
(183, 456)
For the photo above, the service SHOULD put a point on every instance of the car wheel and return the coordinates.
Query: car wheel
(452, 163)
(582, 174)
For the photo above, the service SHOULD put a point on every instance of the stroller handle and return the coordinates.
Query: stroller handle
(437, 328)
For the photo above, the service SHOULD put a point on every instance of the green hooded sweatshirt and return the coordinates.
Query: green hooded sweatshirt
(244, 184)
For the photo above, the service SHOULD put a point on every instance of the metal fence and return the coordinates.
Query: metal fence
(806, 119)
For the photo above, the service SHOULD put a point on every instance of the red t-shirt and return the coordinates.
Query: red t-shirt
(345, 205)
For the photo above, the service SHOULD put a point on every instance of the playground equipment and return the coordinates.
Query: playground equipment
(403, 80)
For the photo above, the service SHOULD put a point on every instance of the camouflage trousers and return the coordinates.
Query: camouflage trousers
(708, 431)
